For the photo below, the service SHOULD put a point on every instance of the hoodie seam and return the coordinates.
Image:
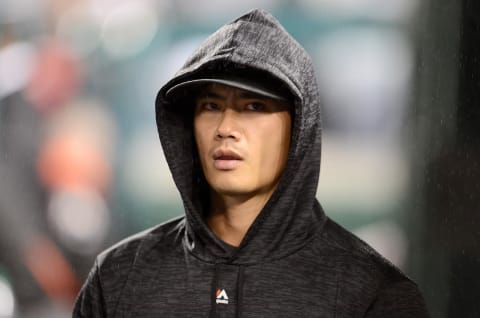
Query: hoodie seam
(257, 23)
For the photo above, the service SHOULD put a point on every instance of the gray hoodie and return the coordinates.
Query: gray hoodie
(293, 261)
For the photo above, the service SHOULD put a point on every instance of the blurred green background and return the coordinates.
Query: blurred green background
(81, 165)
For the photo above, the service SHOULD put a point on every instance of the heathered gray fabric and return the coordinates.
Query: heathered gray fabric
(293, 261)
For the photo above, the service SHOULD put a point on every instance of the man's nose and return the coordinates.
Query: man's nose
(228, 125)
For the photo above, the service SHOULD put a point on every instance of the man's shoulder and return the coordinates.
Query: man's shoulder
(355, 254)
(131, 248)
(365, 276)
(120, 264)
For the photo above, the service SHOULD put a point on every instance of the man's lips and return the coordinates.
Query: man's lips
(226, 159)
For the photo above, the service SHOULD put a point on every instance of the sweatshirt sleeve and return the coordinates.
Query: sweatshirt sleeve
(399, 300)
(90, 302)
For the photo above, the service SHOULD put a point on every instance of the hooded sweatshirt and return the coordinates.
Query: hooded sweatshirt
(292, 262)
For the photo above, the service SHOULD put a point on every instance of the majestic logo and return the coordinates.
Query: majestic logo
(222, 297)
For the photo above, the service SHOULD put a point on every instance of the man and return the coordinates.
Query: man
(240, 129)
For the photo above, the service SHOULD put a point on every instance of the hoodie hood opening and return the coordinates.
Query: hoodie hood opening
(252, 45)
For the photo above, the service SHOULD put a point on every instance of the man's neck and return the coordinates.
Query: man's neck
(231, 216)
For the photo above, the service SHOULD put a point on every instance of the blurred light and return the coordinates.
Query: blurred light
(50, 268)
(374, 67)
(220, 11)
(7, 300)
(102, 8)
(388, 239)
(78, 147)
(16, 62)
(80, 218)
(373, 176)
(15, 11)
(129, 29)
(175, 56)
(393, 10)
(87, 117)
(55, 78)
(79, 29)
(70, 160)
(146, 174)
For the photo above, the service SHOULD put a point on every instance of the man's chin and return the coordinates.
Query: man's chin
(233, 190)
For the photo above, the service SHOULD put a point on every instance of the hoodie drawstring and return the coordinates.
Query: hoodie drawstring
(213, 310)
(240, 280)
(239, 291)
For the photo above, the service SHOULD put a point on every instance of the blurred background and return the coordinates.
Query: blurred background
(81, 166)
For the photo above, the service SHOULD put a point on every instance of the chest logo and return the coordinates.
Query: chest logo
(222, 297)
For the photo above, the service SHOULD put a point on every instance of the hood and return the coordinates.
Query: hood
(254, 41)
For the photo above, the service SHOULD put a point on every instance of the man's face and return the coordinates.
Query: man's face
(242, 139)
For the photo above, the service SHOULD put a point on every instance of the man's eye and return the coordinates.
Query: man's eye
(210, 106)
(255, 107)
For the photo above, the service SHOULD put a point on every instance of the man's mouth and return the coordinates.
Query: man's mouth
(225, 159)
